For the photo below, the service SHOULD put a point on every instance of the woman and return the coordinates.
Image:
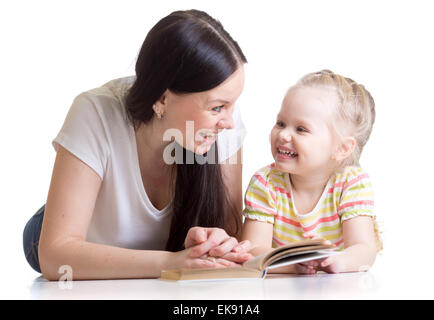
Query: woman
(135, 171)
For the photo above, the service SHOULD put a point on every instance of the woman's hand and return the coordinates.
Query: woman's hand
(183, 259)
(216, 243)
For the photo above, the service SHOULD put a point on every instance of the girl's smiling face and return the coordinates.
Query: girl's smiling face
(302, 142)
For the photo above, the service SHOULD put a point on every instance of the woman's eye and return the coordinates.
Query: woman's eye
(217, 109)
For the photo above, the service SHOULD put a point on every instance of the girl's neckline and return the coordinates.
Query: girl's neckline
(317, 205)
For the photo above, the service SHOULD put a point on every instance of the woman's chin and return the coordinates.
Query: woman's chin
(202, 149)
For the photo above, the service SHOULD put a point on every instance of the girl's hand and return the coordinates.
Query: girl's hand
(308, 267)
(313, 266)
(332, 264)
(215, 242)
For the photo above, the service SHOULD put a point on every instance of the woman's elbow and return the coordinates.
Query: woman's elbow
(47, 258)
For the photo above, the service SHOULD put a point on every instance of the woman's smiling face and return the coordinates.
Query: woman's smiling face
(209, 112)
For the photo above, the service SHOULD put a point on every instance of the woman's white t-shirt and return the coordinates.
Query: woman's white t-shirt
(97, 131)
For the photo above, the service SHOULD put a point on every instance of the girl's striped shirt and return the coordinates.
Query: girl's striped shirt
(269, 199)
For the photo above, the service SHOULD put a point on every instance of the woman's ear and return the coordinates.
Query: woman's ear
(345, 149)
(160, 105)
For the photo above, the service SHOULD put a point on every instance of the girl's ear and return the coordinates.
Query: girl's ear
(345, 149)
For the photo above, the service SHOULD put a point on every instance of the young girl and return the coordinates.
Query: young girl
(316, 188)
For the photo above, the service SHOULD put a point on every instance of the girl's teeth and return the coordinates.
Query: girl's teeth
(292, 154)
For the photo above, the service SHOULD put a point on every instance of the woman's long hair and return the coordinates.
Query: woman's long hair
(186, 52)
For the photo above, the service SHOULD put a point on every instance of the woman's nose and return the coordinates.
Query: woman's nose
(226, 123)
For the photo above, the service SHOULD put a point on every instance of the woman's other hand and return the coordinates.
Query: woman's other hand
(215, 242)
(184, 259)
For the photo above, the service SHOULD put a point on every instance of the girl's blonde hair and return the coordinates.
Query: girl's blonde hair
(355, 110)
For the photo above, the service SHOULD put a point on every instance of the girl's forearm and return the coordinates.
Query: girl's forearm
(358, 257)
(91, 261)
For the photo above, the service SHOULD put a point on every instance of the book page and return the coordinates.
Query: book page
(256, 262)
(262, 261)
(302, 258)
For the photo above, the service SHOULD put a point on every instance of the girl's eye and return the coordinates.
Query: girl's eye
(280, 124)
(301, 129)
(217, 109)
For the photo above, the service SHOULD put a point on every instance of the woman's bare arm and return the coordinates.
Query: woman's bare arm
(70, 204)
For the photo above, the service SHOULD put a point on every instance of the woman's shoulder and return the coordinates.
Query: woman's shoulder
(116, 88)
(113, 90)
(107, 100)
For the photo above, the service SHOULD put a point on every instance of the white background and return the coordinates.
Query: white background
(53, 50)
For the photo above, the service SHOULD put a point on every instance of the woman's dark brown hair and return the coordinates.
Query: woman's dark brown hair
(186, 52)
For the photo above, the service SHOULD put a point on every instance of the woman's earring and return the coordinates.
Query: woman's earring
(158, 112)
(159, 115)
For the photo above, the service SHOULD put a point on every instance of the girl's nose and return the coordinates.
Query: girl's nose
(285, 136)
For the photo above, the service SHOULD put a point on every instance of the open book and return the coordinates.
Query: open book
(257, 267)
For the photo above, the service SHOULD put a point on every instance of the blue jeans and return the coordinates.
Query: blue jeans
(31, 234)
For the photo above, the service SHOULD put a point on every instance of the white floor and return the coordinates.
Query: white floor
(383, 281)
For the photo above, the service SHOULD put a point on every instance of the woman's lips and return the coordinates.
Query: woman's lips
(208, 138)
